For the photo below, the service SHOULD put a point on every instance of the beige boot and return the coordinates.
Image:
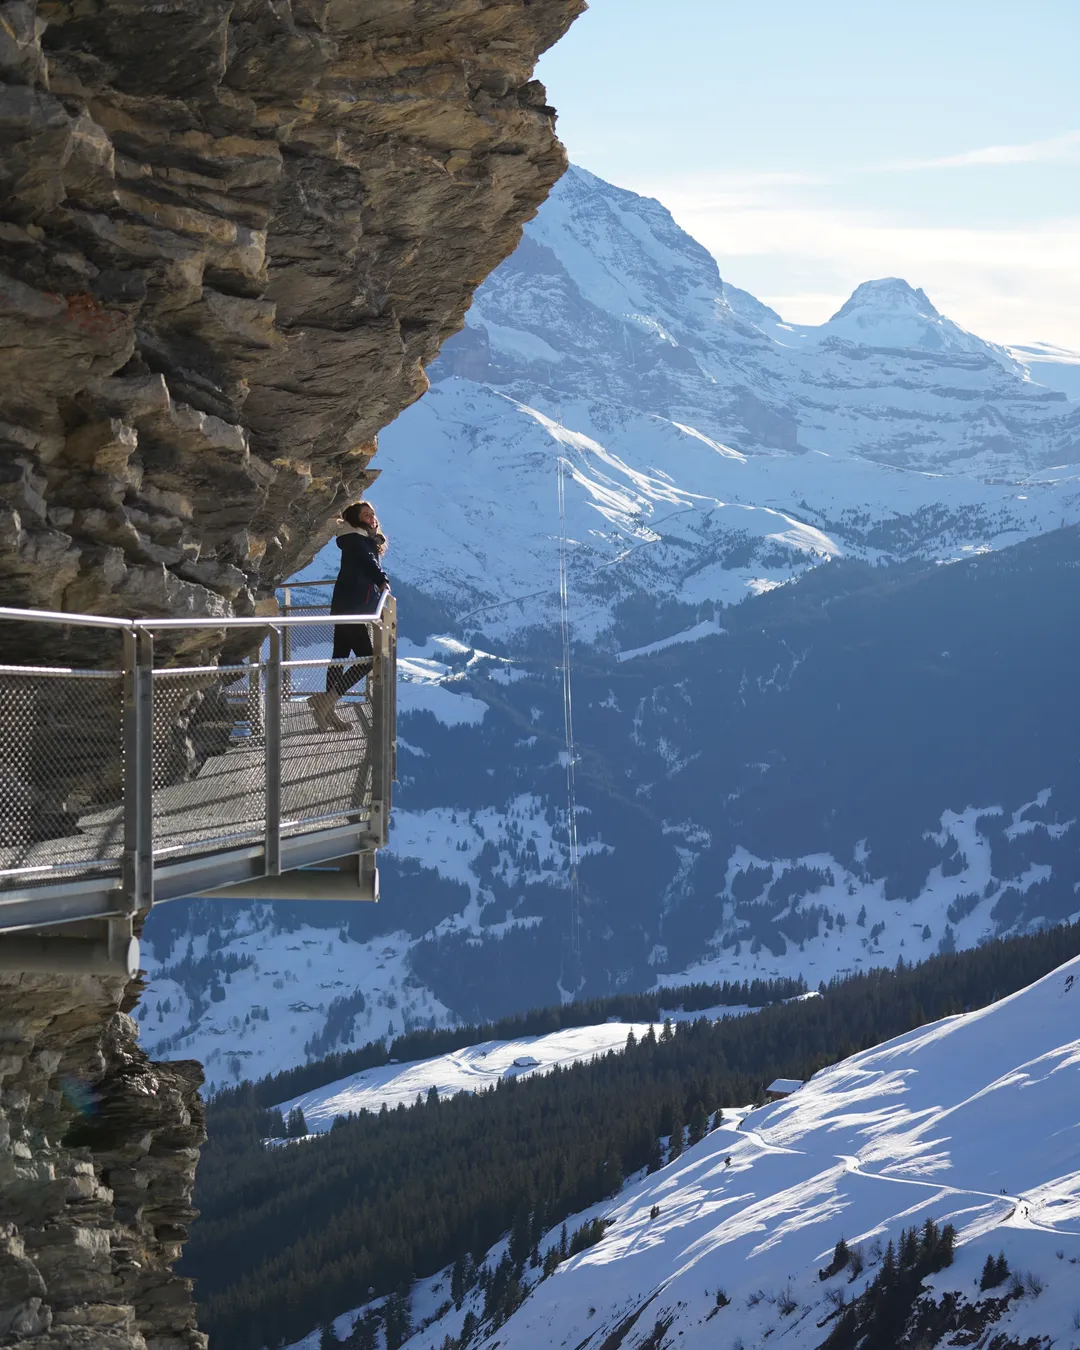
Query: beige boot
(322, 709)
(334, 722)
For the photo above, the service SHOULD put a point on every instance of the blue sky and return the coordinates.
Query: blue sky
(814, 144)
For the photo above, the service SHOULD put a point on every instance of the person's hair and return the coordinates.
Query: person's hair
(351, 516)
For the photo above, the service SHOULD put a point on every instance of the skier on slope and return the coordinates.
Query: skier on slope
(359, 584)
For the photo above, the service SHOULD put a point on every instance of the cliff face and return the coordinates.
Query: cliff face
(97, 1159)
(232, 233)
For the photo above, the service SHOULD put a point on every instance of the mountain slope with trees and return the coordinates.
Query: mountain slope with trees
(291, 1235)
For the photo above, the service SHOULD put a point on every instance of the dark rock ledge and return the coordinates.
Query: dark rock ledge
(98, 1149)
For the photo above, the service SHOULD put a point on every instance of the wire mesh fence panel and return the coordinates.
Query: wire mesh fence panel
(209, 758)
(61, 774)
(325, 761)
(107, 777)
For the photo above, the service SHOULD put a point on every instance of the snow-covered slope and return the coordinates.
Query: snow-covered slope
(970, 1121)
(474, 1068)
(1055, 367)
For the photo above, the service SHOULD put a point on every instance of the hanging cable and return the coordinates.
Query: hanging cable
(568, 719)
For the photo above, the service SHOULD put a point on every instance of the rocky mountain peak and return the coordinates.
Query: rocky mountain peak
(887, 293)
(890, 313)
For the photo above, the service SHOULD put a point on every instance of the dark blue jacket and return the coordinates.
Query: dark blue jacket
(360, 580)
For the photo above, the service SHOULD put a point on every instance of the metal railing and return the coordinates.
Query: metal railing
(175, 757)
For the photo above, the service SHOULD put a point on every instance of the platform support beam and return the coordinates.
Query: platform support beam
(109, 948)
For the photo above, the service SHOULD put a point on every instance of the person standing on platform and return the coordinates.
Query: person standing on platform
(360, 582)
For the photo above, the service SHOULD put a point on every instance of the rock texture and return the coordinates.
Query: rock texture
(97, 1159)
(232, 234)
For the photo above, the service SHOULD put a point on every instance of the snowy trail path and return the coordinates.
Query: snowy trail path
(1019, 1207)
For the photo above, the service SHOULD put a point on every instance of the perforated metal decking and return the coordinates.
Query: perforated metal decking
(179, 757)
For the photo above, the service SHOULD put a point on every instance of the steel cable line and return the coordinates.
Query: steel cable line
(568, 718)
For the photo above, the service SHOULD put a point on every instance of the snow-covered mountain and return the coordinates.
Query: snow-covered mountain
(714, 449)
(772, 778)
(1056, 367)
(969, 1122)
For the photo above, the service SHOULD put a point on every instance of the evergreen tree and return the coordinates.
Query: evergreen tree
(539, 1224)
(675, 1146)
(521, 1236)
(611, 1175)
(698, 1124)
(458, 1286)
(328, 1337)
(888, 1267)
(398, 1320)
(365, 1333)
(909, 1249)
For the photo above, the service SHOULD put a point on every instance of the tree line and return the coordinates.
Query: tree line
(427, 1043)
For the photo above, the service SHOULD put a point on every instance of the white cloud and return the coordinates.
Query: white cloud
(804, 256)
(1053, 149)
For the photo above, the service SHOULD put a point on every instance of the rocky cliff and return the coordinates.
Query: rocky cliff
(97, 1158)
(232, 235)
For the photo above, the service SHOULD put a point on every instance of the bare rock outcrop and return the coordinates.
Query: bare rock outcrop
(232, 234)
(97, 1159)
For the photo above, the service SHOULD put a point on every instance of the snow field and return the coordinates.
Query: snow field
(473, 1069)
(273, 1007)
(892, 929)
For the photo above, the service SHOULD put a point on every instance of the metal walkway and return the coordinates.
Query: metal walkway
(179, 757)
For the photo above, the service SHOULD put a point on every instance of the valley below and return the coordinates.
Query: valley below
(818, 592)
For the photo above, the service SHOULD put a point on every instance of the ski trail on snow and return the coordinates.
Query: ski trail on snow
(1019, 1214)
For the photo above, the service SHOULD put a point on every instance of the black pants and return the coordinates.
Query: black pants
(350, 639)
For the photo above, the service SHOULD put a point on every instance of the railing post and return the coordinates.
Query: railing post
(272, 690)
(379, 810)
(286, 647)
(383, 739)
(138, 863)
(391, 682)
(129, 871)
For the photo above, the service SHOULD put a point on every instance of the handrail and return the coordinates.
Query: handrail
(209, 621)
(127, 817)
